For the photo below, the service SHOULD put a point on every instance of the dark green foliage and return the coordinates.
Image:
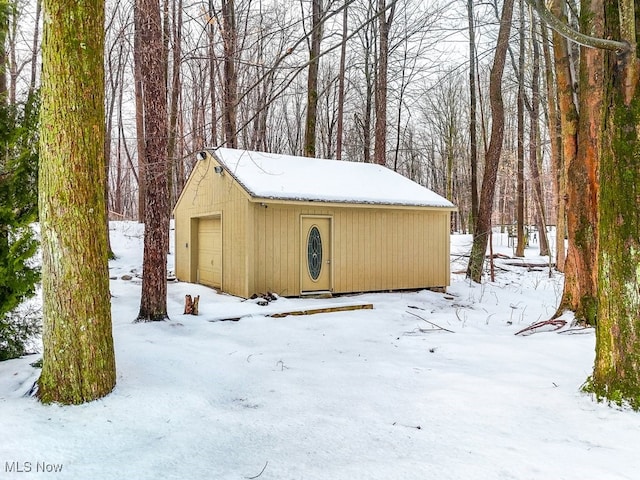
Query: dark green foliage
(17, 329)
(18, 211)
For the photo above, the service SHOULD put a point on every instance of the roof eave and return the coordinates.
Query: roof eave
(345, 203)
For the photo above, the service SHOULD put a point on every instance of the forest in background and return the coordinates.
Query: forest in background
(305, 78)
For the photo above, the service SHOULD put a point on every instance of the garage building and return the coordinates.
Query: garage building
(253, 222)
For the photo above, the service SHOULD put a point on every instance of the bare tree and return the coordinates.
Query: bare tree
(341, 80)
(482, 228)
(555, 139)
(312, 78)
(230, 41)
(385, 19)
(473, 122)
(520, 221)
(534, 142)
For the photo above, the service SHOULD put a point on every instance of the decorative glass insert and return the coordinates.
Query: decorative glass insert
(314, 253)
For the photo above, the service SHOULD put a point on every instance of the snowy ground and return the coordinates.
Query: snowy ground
(370, 394)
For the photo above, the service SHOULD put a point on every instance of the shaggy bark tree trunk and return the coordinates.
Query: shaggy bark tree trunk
(78, 361)
(482, 227)
(580, 169)
(153, 302)
(569, 128)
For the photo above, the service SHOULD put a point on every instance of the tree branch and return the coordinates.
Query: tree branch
(580, 38)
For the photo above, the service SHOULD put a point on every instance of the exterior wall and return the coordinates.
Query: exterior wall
(208, 194)
(374, 249)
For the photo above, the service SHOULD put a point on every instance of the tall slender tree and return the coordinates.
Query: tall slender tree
(138, 92)
(230, 91)
(153, 302)
(520, 221)
(312, 79)
(341, 81)
(473, 107)
(385, 19)
(5, 14)
(534, 142)
(482, 227)
(78, 360)
(555, 139)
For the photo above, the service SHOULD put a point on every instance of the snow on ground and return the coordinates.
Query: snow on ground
(369, 394)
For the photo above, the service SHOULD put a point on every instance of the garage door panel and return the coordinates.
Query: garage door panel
(210, 252)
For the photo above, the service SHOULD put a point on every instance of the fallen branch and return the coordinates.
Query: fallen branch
(577, 331)
(417, 427)
(430, 323)
(261, 471)
(544, 326)
(528, 264)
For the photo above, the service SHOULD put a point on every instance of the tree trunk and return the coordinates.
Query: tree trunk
(368, 107)
(341, 82)
(229, 36)
(138, 89)
(153, 303)
(482, 227)
(384, 26)
(4, 27)
(35, 49)
(473, 122)
(78, 360)
(569, 127)
(312, 81)
(534, 142)
(213, 68)
(176, 86)
(520, 233)
(582, 190)
(616, 374)
(555, 136)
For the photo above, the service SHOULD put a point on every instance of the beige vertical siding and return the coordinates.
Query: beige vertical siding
(208, 194)
(374, 249)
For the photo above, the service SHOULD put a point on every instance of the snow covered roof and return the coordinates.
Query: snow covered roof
(286, 177)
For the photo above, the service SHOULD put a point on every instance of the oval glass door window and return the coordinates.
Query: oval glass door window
(314, 253)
